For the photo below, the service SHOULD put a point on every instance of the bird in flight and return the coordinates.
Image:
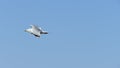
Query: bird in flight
(36, 31)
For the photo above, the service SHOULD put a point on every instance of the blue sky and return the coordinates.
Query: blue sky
(82, 34)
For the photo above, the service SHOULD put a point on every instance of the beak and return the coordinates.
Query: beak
(25, 30)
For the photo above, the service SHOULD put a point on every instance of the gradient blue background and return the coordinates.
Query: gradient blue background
(82, 34)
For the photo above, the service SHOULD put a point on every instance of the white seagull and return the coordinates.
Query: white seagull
(36, 31)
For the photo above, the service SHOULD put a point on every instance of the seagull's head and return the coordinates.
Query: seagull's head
(28, 30)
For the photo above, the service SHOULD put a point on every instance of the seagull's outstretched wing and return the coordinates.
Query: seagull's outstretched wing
(35, 27)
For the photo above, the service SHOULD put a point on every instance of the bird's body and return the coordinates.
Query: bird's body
(36, 31)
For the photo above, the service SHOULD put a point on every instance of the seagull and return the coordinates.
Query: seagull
(36, 31)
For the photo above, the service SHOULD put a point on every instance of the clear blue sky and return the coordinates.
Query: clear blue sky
(82, 34)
